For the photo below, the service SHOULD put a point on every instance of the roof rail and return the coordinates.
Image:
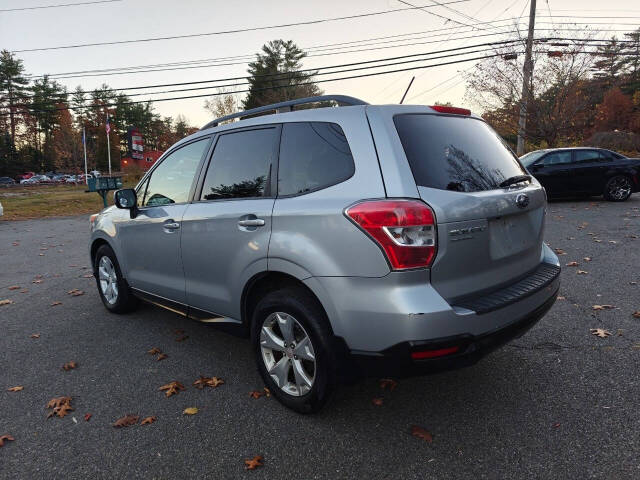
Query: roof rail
(342, 100)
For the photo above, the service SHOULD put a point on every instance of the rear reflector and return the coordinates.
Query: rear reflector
(441, 352)
(404, 229)
(454, 110)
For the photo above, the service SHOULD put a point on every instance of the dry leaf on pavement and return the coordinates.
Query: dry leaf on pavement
(126, 421)
(254, 463)
(4, 438)
(69, 366)
(572, 264)
(60, 411)
(256, 394)
(182, 338)
(600, 332)
(377, 402)
(560, 251)
(587, 259)
(421, 433)
(388, 382)
(58, 401)
(603, 307)
(190, 411)
(6, 302)
(14, 287)
(172, 388)
(16, 389)
(154, 351)
(162, 356)
(148, 420)
(34, 335)
(581, 272)
(212, 382)
(75, 292)
(636, 314)
(87, 417)
(56, 303)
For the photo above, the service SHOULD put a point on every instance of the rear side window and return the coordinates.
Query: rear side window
(455, 153)
(588, 156)
(241, 165)
(557, 158)
(313, 155)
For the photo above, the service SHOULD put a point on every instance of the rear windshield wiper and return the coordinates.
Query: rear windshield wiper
(515, 179)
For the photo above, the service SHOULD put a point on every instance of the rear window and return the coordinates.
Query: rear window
(462, 154)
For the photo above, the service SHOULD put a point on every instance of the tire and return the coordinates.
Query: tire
(118, 297)
(618, 188)
(312, 339)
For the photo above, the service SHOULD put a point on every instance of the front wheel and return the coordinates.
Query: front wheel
(294, 349)
(112, 287)
(618, 188)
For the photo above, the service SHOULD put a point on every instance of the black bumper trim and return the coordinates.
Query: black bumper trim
(535, 281)
(396, 361)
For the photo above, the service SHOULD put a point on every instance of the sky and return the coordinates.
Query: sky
(137, 19)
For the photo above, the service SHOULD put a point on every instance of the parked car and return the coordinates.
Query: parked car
(36, 179)
(25, 176)
(584, 171)
(1, 210)
(7, 181)
(381, 240)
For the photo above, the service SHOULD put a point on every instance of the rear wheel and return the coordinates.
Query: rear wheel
(294, 349)
(618, 188)
(112, 287)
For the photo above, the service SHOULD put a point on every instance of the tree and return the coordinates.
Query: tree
(276, 76)
(221, 105)
(633, 59)
(66, 145)
(611, 62)
(13, 85)
(614, 113)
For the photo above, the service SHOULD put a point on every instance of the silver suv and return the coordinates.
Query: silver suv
(386, 240)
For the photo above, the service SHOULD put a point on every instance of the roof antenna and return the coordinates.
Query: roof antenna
(407, 90)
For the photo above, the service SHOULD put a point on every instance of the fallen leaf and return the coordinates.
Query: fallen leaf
(6, 302)
(126, 421)
(69, 366)
(190, 411)
(182, 338)
(15, 244)
(34, 335)
(87, 417)
(421, 433)
(179, 331)
(267, 392)
(162, 356)
(572, 264)
(154, 351)
(172, 388)
(148, 420)
(388, 382)
(37, 280)
(377, 402)
(87, 275)
(599, 332)
(255, 394)
(597, 240)
(58, 401)
(14, 287)
(636, 314)
(603, 307)
(612, 241)
(555, 425)
(560, 251)
(212, 382)
(587, 259)
(560, 297)
(75, 292)
(60, 411)
(5, 438)
(41, 254)
(581, 272)
(56, 303)
(254, 463)
(16, 389)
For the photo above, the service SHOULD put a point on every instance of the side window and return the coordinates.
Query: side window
(313, 155)
(171, 181)
(557, 158)
(241, 165)
(140, 192)
(586, 156)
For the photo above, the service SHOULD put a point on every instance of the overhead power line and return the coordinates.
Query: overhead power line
(59, 5)
(238, 30)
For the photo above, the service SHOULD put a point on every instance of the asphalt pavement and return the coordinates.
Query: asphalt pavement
(556, 403)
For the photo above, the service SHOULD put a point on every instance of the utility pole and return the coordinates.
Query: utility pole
(526, 80)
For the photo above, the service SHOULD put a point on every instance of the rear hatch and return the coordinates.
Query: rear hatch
(488, 235)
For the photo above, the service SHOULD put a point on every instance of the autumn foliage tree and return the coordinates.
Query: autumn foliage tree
(614, 113)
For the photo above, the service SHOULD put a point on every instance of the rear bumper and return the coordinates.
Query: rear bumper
(397, 362)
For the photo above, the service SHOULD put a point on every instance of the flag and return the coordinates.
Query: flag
(107, 126)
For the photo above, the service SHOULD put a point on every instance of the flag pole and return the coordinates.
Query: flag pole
(108, 144)
(84, 144)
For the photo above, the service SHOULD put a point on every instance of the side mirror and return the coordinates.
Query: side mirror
(126, 198)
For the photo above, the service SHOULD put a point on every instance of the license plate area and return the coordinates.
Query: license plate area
(512, 234)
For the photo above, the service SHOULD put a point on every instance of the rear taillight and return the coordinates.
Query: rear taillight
(404, 229)
(448, 109)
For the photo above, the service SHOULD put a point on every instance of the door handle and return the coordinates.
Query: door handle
(171, 226)
(252, 222)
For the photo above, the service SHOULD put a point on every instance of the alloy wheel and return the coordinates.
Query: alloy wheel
(619, 188)
(288, 354)
(108, 280)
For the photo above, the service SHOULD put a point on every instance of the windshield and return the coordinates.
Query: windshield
(456, 153)
(529, 158)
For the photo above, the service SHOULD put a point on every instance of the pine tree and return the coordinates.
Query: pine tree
(611, 62)
(13, 85)
(275, 75)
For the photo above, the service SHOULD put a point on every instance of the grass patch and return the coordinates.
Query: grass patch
(41, 201)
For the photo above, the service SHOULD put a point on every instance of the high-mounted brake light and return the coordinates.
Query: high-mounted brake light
(448, 109)
(404, 229)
